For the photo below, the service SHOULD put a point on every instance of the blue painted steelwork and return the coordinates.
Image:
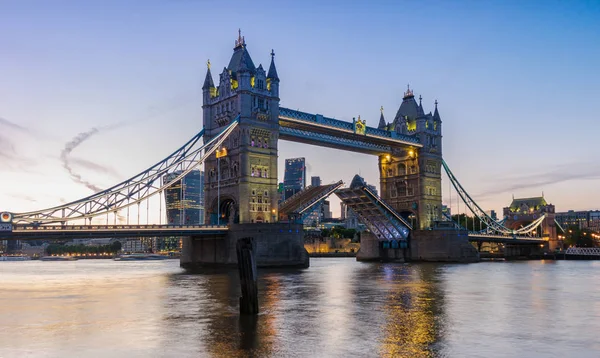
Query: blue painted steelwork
(383, 221)
(340, 141)
(337, 124)
(302, 204)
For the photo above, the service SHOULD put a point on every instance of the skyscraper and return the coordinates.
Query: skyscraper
(185, 203)
(294, 178)
(315, 181)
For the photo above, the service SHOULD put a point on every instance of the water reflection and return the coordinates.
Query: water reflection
(337, 308)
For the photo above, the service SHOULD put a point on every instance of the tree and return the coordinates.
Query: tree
(115, 246)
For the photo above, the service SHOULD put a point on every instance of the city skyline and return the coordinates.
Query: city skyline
(508, 137)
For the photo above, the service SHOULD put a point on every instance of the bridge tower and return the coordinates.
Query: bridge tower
(410, 178)
(522, 211)
(246, 182)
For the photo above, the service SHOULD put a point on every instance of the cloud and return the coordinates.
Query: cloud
(559, 174)
(23, 197)
(84, 163)
(5, 122)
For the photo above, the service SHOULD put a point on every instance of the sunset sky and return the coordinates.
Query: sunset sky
(518, 86)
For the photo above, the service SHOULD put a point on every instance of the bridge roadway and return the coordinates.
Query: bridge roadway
(319, 130)
(518, 240)
(53, 232)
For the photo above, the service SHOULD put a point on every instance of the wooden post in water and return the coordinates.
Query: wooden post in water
(247, 268)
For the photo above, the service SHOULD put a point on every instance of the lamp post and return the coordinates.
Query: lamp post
(219, 153)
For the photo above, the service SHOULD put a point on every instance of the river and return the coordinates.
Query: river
(336, 308)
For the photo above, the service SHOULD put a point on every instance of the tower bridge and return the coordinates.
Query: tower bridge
(238, 148)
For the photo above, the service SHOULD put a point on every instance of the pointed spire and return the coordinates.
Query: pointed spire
(436, 114)
(381, 120)
(420, 110)
(208, 81)
(241, 41)
(409, 92)
(272, 70)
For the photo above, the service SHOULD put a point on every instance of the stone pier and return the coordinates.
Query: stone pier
(277, 245)
(438, 245)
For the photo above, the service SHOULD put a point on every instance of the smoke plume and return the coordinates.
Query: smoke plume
(64, 157)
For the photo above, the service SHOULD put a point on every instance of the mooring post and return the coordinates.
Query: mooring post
(247, 268)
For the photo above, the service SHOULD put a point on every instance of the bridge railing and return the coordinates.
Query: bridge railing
(113, 227)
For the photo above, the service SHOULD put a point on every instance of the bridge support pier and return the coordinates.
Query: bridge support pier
(372, 249)
(277, 245)
(442, 245)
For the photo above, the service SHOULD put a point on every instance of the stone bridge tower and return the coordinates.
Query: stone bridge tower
(244, 188)
(410, 178)
(523, 211)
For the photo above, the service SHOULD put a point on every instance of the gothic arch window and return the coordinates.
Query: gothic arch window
(401, 169)
(402, 188)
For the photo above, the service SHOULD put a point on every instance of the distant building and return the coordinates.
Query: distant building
(13, 246)
(326, 210)
(586, 219)
(166, 244)
(133, 245)
(185, 203)
(294, 178)
(315, 181)
(343, 210)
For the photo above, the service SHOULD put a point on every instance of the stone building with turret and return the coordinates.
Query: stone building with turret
(244, 188)
(411, 180)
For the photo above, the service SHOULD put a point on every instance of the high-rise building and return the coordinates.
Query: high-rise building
(185, 203)
(325, 210)
(294, 178)
(315, 181)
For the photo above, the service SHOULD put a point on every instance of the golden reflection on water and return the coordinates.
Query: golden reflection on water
(411, 304)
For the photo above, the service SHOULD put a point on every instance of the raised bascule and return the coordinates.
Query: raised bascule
(238, 147)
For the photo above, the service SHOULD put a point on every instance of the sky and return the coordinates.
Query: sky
(517, 85)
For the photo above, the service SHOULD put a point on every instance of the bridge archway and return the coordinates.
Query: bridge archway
(227, 210)
(410, 217)
(225, 213)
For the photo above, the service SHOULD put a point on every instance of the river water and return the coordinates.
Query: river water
(336, 308)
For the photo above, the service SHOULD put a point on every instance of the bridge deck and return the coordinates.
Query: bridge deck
(50, 232)
(302, 202)
(524, 240)
(379, 217)
(323, 131)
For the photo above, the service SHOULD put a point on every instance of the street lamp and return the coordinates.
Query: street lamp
(219, 153)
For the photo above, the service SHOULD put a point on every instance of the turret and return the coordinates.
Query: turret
(272, 77)
(420, 112)
(208, 88)
(381, 120)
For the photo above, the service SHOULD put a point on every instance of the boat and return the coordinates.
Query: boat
(14, 258)
(140, 257)
(58, 258)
